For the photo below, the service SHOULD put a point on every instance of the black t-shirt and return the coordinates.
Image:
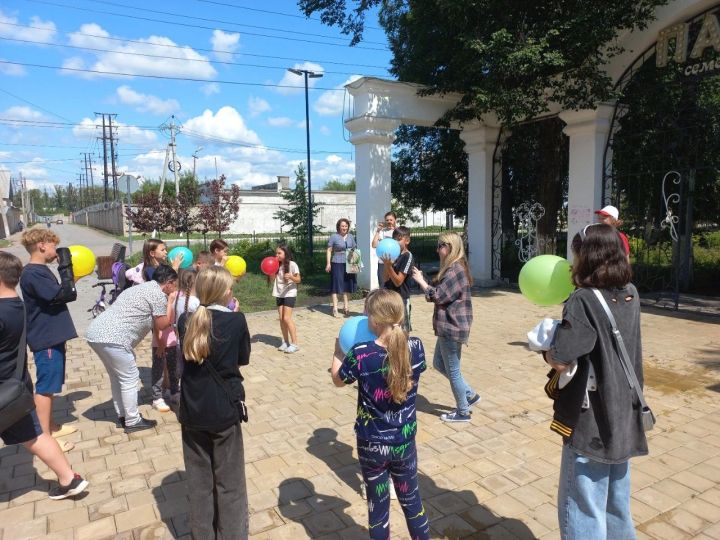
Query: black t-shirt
(403, 264)
(204, 405)
(11, 327)
(49, 323)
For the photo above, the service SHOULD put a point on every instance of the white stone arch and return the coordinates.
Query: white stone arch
(380, 106)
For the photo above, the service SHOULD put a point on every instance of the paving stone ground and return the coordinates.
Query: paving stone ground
(495, 477)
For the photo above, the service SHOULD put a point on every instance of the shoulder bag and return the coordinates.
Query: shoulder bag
(238, 403)
(648, 418)
(353, 261)
(15, 399)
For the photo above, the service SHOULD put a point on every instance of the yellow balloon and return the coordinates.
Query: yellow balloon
(83, 261)
(235, 265)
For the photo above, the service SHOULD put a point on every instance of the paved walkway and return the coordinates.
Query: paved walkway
(493, 478)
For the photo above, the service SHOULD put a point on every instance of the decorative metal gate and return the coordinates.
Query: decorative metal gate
(662, 166)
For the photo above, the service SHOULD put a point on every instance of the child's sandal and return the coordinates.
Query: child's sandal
(335, 313)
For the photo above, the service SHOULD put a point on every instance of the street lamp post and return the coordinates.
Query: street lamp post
(311, 75)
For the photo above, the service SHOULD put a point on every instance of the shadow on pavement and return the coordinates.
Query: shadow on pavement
(423, 405)
(172, 503)
(453, 514)
(267, 339)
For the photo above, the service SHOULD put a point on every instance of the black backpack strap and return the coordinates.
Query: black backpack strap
(22, 349)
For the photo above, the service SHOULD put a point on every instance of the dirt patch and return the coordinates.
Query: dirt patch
(670, 381)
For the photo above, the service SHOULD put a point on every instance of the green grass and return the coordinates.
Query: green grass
(5, 243)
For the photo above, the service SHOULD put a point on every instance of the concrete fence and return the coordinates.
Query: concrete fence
(12, 218)
(109, 217)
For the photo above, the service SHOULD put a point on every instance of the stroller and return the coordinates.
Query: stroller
(111, 267)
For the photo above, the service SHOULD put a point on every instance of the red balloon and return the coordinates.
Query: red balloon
(269, 266)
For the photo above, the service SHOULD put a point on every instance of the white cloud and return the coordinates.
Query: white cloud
(189, 63)
(42, 31)
(224, 44)
(22, 112)
(325, 130)
(280, 121)
(146, 102)
(257, 106)
(330, 102)
(125, 134)
(227, 123)
(297, 82)
(11, 70)
(210, 89)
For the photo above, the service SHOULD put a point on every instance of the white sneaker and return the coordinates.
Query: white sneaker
(160, 405)
(283, 347)
(292, 348)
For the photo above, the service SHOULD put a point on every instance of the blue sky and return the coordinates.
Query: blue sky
(245, 110)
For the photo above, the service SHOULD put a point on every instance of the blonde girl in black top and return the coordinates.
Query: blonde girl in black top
(215, 342)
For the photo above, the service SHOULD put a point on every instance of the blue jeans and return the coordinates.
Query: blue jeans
(594, 499)
(447, 361)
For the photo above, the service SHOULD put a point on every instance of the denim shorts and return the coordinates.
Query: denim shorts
(24, 430)
(50, 369)
(288, 301)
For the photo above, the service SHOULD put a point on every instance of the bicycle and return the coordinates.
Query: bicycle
(101, 303)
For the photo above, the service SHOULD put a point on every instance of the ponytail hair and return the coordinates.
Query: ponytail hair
(186, 282)
(385, 307)
(211, 287)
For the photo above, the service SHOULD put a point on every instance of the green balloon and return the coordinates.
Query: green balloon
(545, 280)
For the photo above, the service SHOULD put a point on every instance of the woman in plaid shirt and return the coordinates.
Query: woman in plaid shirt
(452, 318)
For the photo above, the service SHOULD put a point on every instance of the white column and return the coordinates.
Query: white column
(372, 138)
(480, 144)
(588, 130)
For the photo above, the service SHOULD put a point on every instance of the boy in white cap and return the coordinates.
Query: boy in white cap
(609, 215)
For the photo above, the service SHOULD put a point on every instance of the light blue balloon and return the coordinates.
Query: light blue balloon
(388, 246)
(354, 331)
(186, 253)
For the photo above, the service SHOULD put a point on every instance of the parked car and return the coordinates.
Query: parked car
(59, 222)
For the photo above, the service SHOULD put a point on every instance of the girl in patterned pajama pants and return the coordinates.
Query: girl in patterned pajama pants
(387, 370)
(379, 463)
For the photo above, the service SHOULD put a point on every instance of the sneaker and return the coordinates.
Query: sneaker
(292, 348)
(283, 347)
(474, 400)
(160, 405)
(455, 416)
(77, 485)
(144, 423)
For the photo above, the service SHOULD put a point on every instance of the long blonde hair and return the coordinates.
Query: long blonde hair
(456, 253)
(211, 287)
(385, 307)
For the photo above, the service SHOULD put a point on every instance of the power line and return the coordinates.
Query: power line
(164, 57)
(193, 17)
(272, 12)
(197, 26)
(164, 77)
(110, 38)
(34, 105)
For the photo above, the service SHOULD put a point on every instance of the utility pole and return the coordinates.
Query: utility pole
(105, 164)
(80, 189)
(170, 159)
(113, 156)
(89, 174)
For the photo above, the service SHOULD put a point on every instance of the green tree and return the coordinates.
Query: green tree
(507, 58)
(295, 216)
(339, 185)
(429, 170)
(188, 185)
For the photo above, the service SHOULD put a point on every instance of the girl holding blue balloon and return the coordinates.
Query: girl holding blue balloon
(452, 317)
(388, 371)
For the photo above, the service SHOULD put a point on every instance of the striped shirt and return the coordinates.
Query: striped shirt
(453, 315)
